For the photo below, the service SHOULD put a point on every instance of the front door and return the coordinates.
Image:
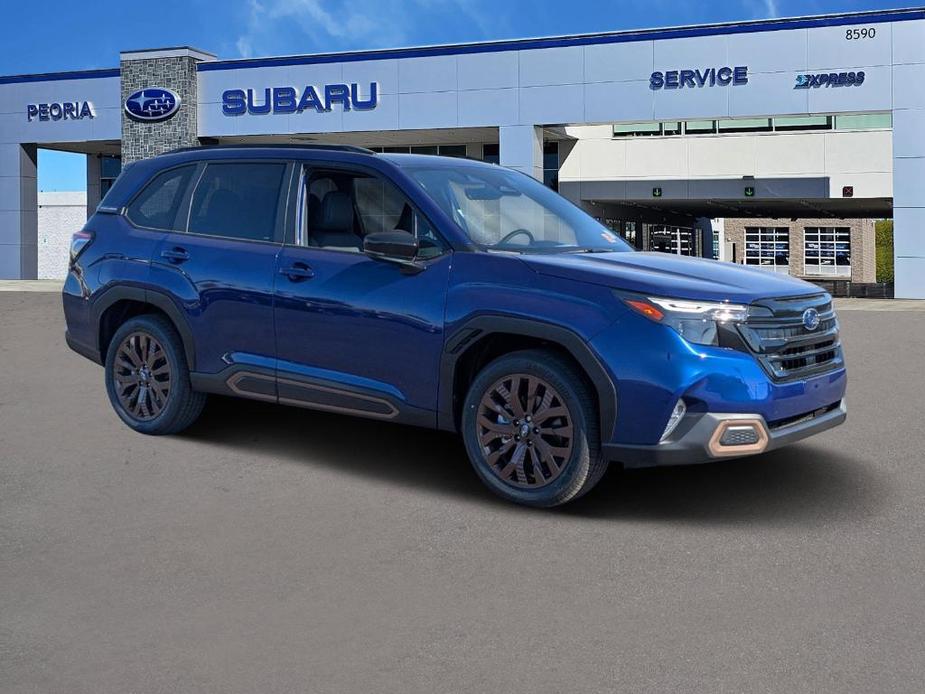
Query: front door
(355, 334)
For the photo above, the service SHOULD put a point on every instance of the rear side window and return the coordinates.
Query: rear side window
(157, 204)
(238, 200)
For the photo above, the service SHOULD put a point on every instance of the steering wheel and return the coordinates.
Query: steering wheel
(516, 232)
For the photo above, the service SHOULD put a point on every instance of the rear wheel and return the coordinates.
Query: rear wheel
(147, 377)
(530, 429)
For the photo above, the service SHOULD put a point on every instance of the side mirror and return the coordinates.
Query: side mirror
(397, 246)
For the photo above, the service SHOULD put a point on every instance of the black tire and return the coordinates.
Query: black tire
(576, 473)
(175, 410)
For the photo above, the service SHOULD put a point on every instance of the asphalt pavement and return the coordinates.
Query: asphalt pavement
(282, 550)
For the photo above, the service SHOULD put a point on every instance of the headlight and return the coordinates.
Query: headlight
(696, 321)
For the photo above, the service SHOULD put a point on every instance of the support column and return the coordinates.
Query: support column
(909, 159)
(521, 148)
(168, 68)
(18, 211)
(94, 187)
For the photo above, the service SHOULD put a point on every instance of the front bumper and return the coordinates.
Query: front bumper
(695, 439)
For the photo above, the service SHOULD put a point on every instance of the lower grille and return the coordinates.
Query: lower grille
(800, 418)
(778, 333)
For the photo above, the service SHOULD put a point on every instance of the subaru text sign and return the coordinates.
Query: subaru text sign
(706, 77)
(237, 102)
(152, 104)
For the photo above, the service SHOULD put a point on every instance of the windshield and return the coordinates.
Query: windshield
(502, 210)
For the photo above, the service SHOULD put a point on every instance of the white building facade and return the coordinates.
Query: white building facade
(812, 117)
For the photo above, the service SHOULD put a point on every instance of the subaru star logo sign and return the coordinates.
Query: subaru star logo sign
(810, 319)
(152, 104)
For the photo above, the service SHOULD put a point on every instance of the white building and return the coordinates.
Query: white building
(795, 131)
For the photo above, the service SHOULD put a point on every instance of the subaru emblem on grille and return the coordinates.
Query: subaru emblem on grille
(810, 319)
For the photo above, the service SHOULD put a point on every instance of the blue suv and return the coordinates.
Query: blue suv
(441, 293)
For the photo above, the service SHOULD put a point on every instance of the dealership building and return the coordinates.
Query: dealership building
(771, 143)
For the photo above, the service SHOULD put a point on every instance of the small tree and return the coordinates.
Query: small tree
(884, 244)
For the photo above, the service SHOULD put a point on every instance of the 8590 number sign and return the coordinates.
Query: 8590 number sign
(862, 33)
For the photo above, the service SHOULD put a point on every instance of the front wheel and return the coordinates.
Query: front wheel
(531, 431)
(147, 377)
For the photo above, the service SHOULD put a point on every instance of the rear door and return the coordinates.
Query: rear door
(355, 334)
(220, 267)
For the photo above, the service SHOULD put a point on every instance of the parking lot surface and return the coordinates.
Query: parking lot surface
(283, 550)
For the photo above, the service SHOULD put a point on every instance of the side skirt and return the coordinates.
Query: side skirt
(291, 389)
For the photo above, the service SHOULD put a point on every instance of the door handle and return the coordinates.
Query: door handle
(297, 272)
(176, 255)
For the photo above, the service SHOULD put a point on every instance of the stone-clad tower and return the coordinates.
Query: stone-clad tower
(168, 68)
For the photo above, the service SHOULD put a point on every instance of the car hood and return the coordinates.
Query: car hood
(664, 274)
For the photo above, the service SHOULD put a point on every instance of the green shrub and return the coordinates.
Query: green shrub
(884, 232)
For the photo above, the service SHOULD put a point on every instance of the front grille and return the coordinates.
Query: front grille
(788, 350)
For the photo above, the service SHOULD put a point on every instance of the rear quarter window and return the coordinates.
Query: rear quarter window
(156, 206)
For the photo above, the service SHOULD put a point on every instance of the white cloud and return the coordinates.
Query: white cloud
(771, 9)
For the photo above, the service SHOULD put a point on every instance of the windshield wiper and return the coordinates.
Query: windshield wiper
(592, 250)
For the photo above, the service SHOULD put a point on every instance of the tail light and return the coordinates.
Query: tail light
(79, 241)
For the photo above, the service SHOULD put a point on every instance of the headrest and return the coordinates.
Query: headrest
(336, 213)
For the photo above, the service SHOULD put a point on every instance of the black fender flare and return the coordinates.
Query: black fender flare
(146, 296)
(480, 327)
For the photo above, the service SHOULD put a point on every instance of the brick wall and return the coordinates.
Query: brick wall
(863, 242)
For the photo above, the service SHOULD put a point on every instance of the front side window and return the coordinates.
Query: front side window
(157, 205)
(238, 200)
(344, 207)
(502, 210)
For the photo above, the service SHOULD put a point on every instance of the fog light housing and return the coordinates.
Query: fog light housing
(677, 414)
(738, 437)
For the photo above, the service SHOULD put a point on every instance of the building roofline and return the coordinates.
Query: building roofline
(623, 36)
(55, 76)
(167, 52)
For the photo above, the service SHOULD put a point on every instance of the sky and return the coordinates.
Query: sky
(64, 35)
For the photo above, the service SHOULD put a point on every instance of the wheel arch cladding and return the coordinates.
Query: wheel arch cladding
(119, 304)
(480, 340)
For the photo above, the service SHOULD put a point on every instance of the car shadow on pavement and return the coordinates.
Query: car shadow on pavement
(804, 483)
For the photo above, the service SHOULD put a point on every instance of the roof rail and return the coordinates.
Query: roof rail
(276, 145)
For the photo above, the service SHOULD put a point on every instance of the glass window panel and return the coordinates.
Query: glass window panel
(637, 129)
(110, 167)
(744, 125)
(864, 121)
(803, 123)
(823, 255)
(672, 128)
(156, 206)
(551, 155)
(700, 126)
(768, 247)
(425, 149)
(452, 150)
(237, 201)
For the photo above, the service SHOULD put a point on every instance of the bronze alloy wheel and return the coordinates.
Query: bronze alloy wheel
(141, 375)
(525, 431)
